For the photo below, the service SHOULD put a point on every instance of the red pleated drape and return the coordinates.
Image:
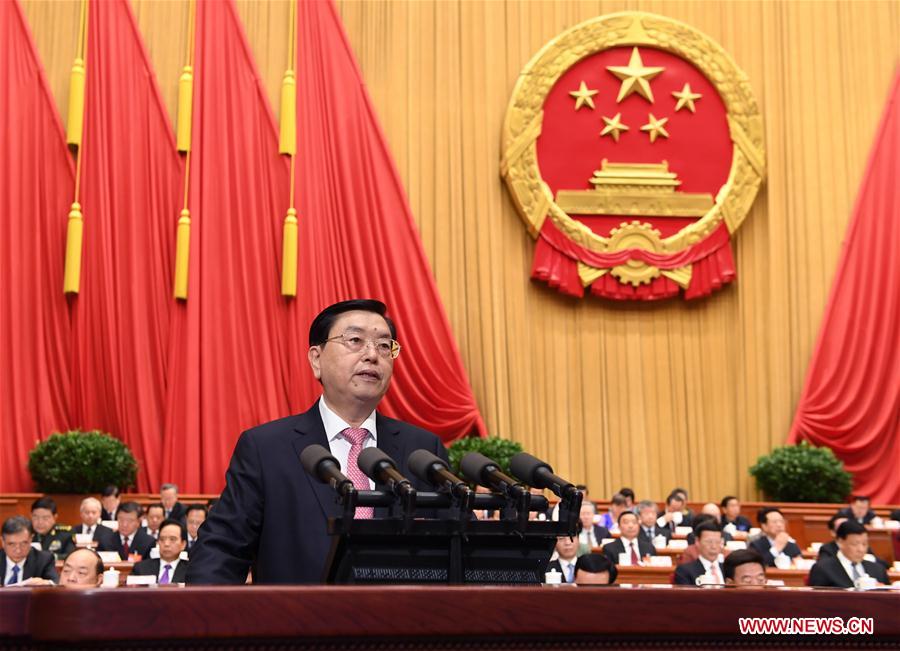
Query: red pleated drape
(36, 184)
(130, 189)
(851, 398)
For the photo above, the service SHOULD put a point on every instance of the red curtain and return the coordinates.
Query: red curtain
(36, 185)
(851, 398)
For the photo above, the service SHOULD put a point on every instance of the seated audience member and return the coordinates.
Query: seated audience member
(731, 514)
(775, 542)
(110, 501)
(628, 494)
(194, 517)
(688, 513)
(595, 569)
(83, 568)
(859, 510)
(673, 515)
(154, 515)
(172, 508)
(54, 538)
(646, 511)
(131, 537)
(610, 519)
(744, 568)
(710, 513)
(831, 548)
(628, 549)
(19, 561)
(849, 566)
(710, 545)
(591, 535)
(566, 556)
(90, 523)
(168, 568)
(692, 553)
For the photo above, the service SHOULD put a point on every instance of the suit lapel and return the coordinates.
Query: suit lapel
(309, 430)
(389, 443)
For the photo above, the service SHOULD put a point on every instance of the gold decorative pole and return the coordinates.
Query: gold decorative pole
(74, 136)
(287, 144)
(183, 144)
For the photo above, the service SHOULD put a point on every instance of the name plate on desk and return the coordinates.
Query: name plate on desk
(678, 544)
(144, 579)
(110, 557)
(735, 544)
(683, 531)
(110, 524)
(660, 561)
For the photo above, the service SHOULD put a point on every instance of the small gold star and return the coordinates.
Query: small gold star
(635, 77)
(583, 96)
(613, 126)
(655, 127)
(686, 98)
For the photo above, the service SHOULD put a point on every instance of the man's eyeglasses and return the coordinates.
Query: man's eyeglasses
(354, 343)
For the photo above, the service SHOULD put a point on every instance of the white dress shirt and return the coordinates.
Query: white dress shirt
(568, 569)
(340, 447)
(628, 546)
(162, 568)
(9, 570)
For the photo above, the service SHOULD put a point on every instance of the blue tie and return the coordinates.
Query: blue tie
(15, 575)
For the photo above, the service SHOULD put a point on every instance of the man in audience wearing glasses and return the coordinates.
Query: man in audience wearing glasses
(20, 563)
(352, 351)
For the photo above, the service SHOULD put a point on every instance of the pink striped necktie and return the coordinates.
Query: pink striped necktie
(356, 437)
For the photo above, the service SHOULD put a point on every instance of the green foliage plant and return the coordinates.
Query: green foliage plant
(81, 462)
(493, 447)
(802, 473)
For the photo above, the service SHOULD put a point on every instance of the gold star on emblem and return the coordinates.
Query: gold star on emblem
(583, 96)
(655, 127)
(686, 98)
(635, 77)
(613, 127)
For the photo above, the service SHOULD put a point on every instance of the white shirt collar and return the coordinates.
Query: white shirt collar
(707, 564)
(334, 424)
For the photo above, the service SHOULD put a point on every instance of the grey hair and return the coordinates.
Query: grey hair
(15, 524)
(166, 487)
(646, 504)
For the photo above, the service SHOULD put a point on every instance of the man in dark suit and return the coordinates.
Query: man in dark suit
(858, 510)
(646, 511)
(831, 548)
(109, 499)
(675, 514)
(172, 508)
(52, 537)
(731, 514)
(628, 543)
(709, 562)
(194, 517)
(775, 541)
(168, 568)
(131, 538)
(20, 563)
(849, 566)
(272, 516)
(90, 523)
(591, 535)
(566, 557)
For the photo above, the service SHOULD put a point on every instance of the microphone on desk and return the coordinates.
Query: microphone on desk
(432, 469)
(319, 463)
(379, 466)
(539, 474)
(478, 469)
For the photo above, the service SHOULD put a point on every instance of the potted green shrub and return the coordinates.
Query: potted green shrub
(493, 447)
(81, 462)
(802, 473)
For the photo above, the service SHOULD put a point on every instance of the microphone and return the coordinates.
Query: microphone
(434, 470)
(478, 469)
(319, 463)
(539, 474)
(380, 467)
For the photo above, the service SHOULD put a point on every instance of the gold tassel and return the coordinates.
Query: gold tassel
(182, 254)
(75, 123)
(185, 104)
(74, 237)
(289, 255)
(287, 141)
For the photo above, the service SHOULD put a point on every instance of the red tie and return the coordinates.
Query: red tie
(356, 437)
(634, 557)
(125, 549)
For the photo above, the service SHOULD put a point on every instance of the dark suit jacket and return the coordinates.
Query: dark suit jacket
(740, 522)
(179, 511)
(601, 532)
(150, 567)
(762, 546)
(687, 573)
(829, 572)
(666, 532)
(272, 515)
(141, 544)
(40, 564)
(847, 512)
(103, 536)
(616, 547)
(831, 549)
(106, 515)
(556, 565)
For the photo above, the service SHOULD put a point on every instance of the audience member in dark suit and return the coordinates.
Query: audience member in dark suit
(731, 514)
(131, 537)
(154, 514)
(858, 510)
(595, 569)
(54, 538)
(849, 566)
(172, 508)
(109, 499)
(19, 561)
(567, 555)
(775, 541)
(710, 546)
(674, 514)
(633, 548)
(194, 517)
(744, 568)
(352, 348)
(706, 516)
(168, 568)
(591, 535)
(90, 523)
(646, 511)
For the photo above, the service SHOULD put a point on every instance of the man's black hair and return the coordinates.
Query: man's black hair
(195, 507)
(726, 500)
(155, 505)
(627, 492)
(706, 526)
(763, 515)
(859, 498)
(321, 325)
(623, 513)
(849, 528)
(741, 557)
(169, 522)
(595, 564)
(129, 507)
(44, 503)
(833, 519)
(110, 491)
(674, 495)
(15, 524)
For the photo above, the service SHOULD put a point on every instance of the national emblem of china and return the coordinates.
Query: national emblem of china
(633, 150)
